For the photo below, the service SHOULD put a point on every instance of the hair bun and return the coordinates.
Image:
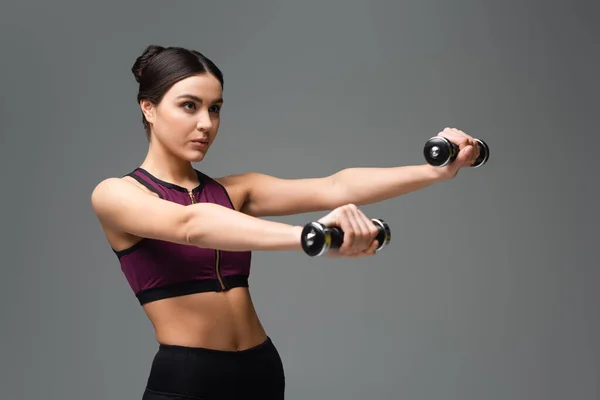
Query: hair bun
(142, 61)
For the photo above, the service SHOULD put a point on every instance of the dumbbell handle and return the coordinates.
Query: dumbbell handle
(317, 239)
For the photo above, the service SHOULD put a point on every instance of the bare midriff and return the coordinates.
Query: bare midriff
(216, 320)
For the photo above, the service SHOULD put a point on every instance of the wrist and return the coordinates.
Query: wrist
(296, 237)
(437, 174)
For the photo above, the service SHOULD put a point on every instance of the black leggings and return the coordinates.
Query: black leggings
(192, 373)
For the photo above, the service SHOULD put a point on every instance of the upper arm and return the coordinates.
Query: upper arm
(266, 195)
(123, 207)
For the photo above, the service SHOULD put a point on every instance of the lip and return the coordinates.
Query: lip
(200, 143)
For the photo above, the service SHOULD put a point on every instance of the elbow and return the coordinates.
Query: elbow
(200, 222)
(191, 229)
(339, 193)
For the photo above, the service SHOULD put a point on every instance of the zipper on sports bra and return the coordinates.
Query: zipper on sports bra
(217, 252)
(217, 258)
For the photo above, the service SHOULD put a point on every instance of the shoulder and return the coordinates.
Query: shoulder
(107, 187)
(111, 189)
(113, 185)
(244, 181)
(235, 180)
(237, 187)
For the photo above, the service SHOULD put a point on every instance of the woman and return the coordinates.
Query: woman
(184, 239)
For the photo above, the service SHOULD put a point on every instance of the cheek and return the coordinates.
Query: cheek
(216, 121)
(176, 119)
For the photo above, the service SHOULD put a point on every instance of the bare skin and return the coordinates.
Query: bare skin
(128, 212)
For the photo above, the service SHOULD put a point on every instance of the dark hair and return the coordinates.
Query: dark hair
(159, 68)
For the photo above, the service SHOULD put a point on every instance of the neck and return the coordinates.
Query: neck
(168, 167)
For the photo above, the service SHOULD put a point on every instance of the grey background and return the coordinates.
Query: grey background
(490, 288)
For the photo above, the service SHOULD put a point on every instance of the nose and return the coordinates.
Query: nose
(204, 121)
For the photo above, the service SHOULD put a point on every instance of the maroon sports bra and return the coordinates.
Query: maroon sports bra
(157, 269)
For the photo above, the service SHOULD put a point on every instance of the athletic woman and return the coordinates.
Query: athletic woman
(184, 239)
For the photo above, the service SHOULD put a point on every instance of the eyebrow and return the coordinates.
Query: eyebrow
(198, 99)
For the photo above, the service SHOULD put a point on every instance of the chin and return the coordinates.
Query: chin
(196, 156)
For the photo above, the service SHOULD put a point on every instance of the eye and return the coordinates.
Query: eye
(215, 108)
(188, 105)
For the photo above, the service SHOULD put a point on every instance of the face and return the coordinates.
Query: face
(187, 119)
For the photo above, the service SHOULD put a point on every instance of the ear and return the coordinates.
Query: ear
(148, 110)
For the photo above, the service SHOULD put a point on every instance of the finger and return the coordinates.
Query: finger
(361, 230)
(464, 139)
(331, 219)
(462, 133)
(373, 230)
(464, 157)
(475, 151)
(350, 228)
(457, 133)
(373, 248)
(371, 251)
(366, 229)
(456, 136)
(470, 145)
(472, 142)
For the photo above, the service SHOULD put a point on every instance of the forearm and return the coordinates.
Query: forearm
(362, 186)
(214, 226)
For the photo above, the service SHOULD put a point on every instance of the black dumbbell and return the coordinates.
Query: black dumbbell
(317, 239)
(440, 152)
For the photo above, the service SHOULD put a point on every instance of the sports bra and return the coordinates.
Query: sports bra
(157, 269)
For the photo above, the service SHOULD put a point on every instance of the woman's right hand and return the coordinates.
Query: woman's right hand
(359, 232)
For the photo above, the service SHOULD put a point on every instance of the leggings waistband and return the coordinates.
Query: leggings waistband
(188, 350)
(199, 372)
